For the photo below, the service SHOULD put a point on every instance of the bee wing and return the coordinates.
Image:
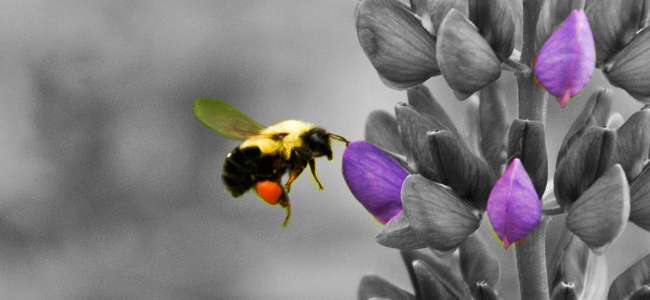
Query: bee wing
(225, 119)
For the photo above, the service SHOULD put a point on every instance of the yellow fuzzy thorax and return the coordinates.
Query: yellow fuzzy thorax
(293, 130)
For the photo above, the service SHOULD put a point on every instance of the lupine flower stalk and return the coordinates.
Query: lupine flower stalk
(429, 184)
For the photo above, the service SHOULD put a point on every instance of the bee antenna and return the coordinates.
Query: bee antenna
(338, 138)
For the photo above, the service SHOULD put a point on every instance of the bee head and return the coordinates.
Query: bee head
(317, 140)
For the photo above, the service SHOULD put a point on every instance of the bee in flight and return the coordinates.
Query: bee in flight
(266, 153)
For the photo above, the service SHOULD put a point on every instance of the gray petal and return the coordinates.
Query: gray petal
(495, 20)
(382, 131)
(398, 234)
(601, 213)
(585, 161)
(569, 263)
(466, 60)
(493, 123)
(633, 143)
(436, 213)
(634, 278)
(467, 174)
(478, 266)
(595, 113)
(613, 24)
(413, 128)
(640, 200)
(527, 141)
(421, 99)
(373, 286)
(400, 49)
(629, 68)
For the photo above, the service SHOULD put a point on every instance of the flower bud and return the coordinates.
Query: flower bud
(480, 268)
(437, 215)
(495, 21)
(630, 281)
(466, 60)
(493, 125)
(595, 113)
(633, 143)
(601, 212)
(640, 200)
(566, 61)
(629, 68)
(467, 174)
(374, 179)
(413, 128)
(382, 131)
(514, 208)
(614, 23)
(585, 161)
(400, 49)
(527, 141)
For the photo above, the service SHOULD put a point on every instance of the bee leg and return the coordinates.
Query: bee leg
(312, 168)
(287, 209)
(294, 172)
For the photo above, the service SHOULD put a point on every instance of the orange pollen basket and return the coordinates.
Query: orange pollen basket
(269, 191)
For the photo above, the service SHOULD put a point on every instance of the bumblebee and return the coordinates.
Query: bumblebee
(266, 153)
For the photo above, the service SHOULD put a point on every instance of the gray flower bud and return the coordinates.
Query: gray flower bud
(493, 125)
(595, 113)
(527, 141)
(613, 24)
(585, 161)
(467, 174)
(478, 265)
(436, 10)
(373, 286)
(437, 215)
(640, 200)
(629, 68)
(633, 143)
(466, 60)
(630, 281)
(400, 49)
(601, 213)
(495, 20)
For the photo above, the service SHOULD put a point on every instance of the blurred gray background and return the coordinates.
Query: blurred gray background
(112, 190)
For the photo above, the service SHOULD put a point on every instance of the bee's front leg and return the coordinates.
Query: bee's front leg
(312, 168)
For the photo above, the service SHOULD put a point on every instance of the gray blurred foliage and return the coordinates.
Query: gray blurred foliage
(111, 189)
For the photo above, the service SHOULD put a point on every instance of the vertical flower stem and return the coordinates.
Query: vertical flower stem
(531, 256)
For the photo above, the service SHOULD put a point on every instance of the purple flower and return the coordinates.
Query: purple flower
(514, 208)
(566, 61)
(374, 178)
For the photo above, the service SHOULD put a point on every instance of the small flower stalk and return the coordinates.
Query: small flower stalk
(430, 181)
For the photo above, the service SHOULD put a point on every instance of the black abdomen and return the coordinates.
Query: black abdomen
(244, 167)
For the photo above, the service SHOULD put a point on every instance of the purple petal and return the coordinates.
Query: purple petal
(514, 208)
(566, 61)
(374, 178)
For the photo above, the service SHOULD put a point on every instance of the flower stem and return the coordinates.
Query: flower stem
(531, 256)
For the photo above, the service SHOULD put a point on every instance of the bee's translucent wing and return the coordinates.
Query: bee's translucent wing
(225, 119)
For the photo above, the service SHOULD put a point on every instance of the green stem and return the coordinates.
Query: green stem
(531, 252)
